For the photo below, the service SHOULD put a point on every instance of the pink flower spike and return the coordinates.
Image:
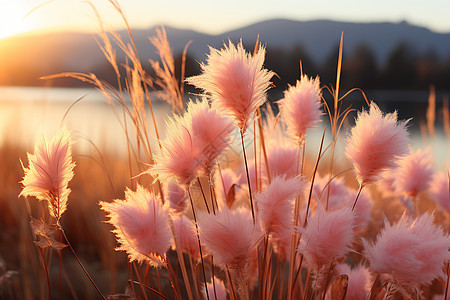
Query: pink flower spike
(275, 207)
(375, 143)
(440, 190)
(49, 171)
(177, 197)
(359, 281)
(236, 81)
(414, 173)
(282, 159)
(230, 236)
(141, 225)
(327, 236)
(210, 133)
(300, 107)
(412, 251)
(185, 230)
(177, 158)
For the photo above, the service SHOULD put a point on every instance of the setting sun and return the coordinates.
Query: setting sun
(13, 19)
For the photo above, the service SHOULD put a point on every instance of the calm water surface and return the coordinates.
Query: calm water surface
(28, 112)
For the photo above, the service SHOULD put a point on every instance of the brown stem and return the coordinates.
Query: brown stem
(203, 194)
(199, 244)
(248, 178)
(80, 263)
(357, 196)
(44, 264)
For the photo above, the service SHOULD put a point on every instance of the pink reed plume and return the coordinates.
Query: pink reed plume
(375, 143)
(49, 171)
(236, 81)
(141, 225)
(300, 107)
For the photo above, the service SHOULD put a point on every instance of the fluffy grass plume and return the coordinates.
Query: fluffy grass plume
(185, 231)
(300, 106)
(276, 210)
(50, 168)
(230, 236)
(440, 190)
(210, 133)
(178, 158)
(177, 197)
(141, 225)
(359, 281)
(235, 80)
(375, 143)
(414, 173)
(412, 251)
(327, 236)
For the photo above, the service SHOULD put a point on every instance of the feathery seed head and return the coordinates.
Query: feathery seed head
(49, 171)
(375, 143)
(141, 225)
(236, 81)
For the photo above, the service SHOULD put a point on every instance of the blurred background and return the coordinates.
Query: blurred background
(397, 52)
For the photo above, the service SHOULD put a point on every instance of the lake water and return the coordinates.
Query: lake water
(28, 112)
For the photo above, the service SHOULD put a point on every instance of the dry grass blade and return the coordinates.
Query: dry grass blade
(431, 111)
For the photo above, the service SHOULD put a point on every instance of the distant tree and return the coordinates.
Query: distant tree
(329, 67)
(292, 64)
(361, 70)
(400, 71)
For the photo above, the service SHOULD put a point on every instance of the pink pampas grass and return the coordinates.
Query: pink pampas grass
(187, 238)
(440, 190)
(414, 173)
(375, 142)
(177, 158)
(177, 197)
(49, 171)
(141, 225)
(232, 238)
(229, 235)
(327, 236)
(275, 207)
(210, 133)
(236, 81)
(359, 281)
(412, 251)
(300, 107)
(282, 159)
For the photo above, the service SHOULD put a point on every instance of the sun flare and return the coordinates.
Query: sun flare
(13, 18)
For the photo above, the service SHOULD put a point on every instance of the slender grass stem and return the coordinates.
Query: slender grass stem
(199, 243)
(357, 196)
(80, 263)
(151, 289)
(248, 178)
(447, 281)
(140, 280)
(203, 194)
(328, 279)
(44, 264)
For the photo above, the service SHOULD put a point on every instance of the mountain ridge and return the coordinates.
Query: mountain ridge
(79, 52)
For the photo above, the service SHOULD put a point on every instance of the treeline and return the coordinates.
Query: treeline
(404, 69)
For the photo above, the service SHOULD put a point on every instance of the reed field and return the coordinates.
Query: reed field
(227, 195)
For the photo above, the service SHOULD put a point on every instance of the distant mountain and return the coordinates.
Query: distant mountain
(24, 58)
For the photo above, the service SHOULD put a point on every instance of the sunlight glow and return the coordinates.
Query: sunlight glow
(13, 19)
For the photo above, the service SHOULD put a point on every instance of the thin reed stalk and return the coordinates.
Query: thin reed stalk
(80, 263)
(199, 244)
(44, 264)
(248, 178)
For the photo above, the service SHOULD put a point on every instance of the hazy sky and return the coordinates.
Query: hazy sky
(212, 16)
